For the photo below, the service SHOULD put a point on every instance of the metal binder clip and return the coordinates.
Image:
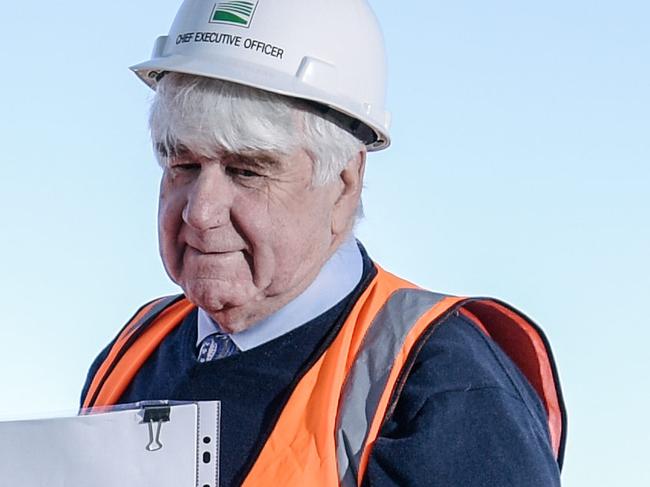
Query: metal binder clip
(155, 416)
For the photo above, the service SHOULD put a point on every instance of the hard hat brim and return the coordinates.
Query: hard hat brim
(236, 70)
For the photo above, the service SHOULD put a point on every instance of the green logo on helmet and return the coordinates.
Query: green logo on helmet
(235, 12)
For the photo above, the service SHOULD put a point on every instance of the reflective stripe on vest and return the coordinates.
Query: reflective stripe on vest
(134, 345)
(325, 432)
(368, 378)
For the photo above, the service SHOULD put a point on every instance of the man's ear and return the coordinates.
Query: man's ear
(349, 197)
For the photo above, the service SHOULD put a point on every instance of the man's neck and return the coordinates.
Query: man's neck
(335, 280)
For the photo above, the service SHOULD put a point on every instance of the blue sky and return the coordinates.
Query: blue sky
(519, 169)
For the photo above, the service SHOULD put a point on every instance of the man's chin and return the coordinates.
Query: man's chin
(234, 311)
(233, 319)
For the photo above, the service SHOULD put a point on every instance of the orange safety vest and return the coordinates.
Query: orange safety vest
(325, 433)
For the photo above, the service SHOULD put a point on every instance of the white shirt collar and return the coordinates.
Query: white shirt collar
(336, 279)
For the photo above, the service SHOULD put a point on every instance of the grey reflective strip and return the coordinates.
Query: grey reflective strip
(127, 336)
(368, 377)
(154, 311)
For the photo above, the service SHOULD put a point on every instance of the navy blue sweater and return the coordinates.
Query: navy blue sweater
(465, 417)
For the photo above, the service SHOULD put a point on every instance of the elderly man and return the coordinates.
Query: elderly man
(330, 370)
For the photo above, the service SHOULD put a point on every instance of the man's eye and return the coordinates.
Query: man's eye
(242, 172)
(186, 166)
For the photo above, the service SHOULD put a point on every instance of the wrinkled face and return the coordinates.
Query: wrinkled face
(243, 234)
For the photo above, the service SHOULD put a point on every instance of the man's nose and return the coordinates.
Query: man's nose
(209, 200)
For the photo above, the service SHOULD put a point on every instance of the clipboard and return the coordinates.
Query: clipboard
(149, 444)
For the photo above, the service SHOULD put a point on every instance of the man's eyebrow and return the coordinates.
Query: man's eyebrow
(254, 159)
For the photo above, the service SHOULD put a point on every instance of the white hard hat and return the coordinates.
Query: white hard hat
(330, 52)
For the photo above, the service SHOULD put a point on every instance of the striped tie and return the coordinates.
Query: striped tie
(216, 346)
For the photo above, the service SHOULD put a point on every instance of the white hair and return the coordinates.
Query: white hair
(206, 115)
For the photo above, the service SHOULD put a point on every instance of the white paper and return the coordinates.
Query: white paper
(109, 450)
